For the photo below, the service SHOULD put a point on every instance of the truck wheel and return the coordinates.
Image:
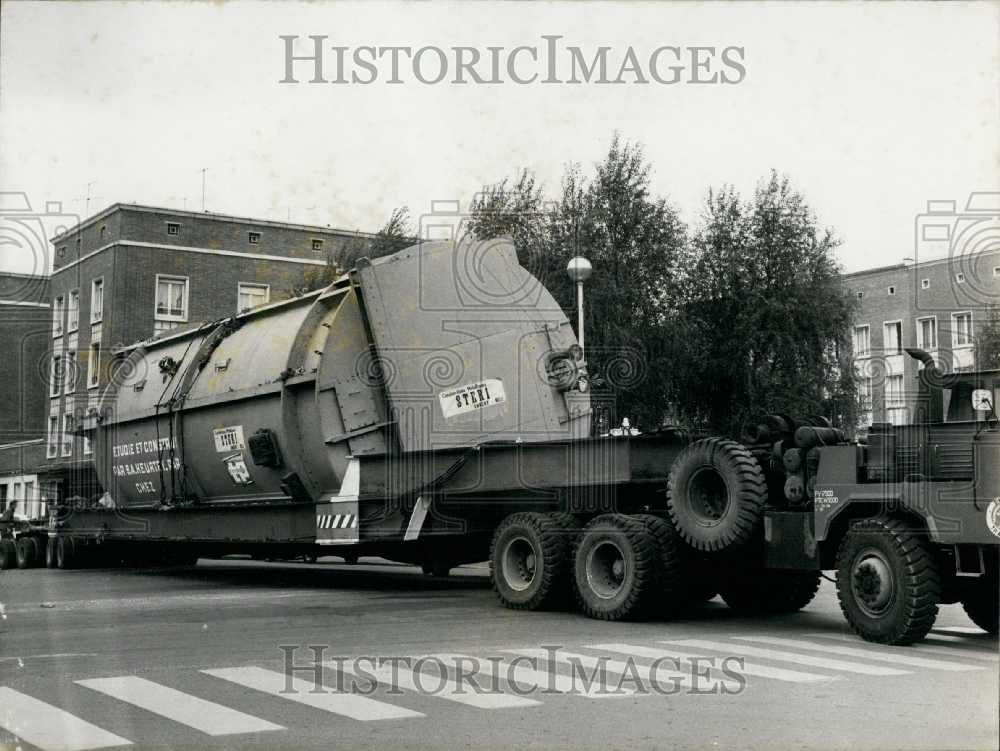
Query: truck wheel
(50, 552)
(982, 602)
(672, 589)
(8, 554)
(716, 494)
(615, 568)
(769, 591)
(529, 561)
(24, 550)
(888, 581)
(65, 552)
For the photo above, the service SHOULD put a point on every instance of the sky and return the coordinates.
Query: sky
(871, 109)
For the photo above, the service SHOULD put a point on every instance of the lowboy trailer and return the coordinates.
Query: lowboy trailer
(433, 407)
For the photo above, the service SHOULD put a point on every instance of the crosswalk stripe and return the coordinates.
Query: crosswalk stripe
(869, 654)
(458, 690)
(50, 728)
(524, 675)
(200, 714)
(748, 668)
(664, 674)
(782, 656)
(926, 646)
(274, 683)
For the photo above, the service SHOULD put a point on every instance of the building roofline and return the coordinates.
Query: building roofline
(205, 215)
(918, 265)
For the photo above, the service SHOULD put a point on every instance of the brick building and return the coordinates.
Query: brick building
(939, 305)
(127, 274)
(24, 351)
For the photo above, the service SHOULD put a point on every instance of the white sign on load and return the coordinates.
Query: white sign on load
(229, 439)
(472, 397)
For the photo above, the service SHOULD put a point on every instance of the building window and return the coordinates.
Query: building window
(925, 284)
(73, 311)
(895, 400)
(94, 365)
(55, 375)
(104, 230)
(960, 278)
(58, 306)
(862, 341)
(961, 328)
(861, 295)
(69, 371)
(253, 238)
(865, 400)
(88, 446)
(67, 435)
(318, 244)
(927, 333)
(171, 299)
(173, 228)
(97, 300)
(996, 271)
(892, 291)
(52, 444)
(892, 334)
(252, 295)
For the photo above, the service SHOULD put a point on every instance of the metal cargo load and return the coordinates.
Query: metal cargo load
(440, 345)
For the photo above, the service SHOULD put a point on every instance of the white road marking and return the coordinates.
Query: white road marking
(748, 668)
(50, 728)
(921, 647)
(898, 657)
(206, 716)
(665, 675)
(433, 683)
(782, 656)
(528, 676)
(349, 705)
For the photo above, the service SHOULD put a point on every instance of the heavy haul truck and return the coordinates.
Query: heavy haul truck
(433, 407)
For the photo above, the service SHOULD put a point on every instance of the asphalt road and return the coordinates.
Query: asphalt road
(192, 658)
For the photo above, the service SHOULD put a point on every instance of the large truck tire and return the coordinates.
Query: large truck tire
(50, 552)
(716, 494)
(26, 552)
(616, 568)
(674, 577)
(981, 600)
(765, 591)
(530, 560)
(8, 554)
(65, 553)
(888, 581)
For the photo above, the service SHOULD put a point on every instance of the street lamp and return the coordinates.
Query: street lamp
(579, 270)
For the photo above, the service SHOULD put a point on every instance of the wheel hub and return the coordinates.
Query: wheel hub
(873, 583)
(709, 496)
(606, 569)
(518, 563)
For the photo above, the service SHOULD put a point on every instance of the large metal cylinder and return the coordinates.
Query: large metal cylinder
(437, 346)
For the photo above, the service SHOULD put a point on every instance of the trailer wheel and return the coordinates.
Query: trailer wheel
(25, 552)
(65, 552)
(615, 568)
(50, 552)
(8, 554)
(769, 591)
(529, 561)
(716, 494)
(888, 581)
(672, 588)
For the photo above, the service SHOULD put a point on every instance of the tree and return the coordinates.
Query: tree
(764, 320)
(634, 241)
(395, 234)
